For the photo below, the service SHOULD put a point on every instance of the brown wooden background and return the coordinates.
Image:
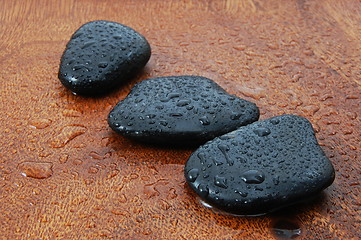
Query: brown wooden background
(296, 57)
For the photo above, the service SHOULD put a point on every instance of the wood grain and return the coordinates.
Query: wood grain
(296, 57)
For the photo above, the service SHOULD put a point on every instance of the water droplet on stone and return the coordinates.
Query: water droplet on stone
(39, 170)
(189, 107)
(117, 37)
(103, 64)
(253, 177)
(242, 193)
(276, 180)
(204, 120)
(220, 181)
(183, 102)
(217, 162)
(173, 95)
(203, 190)
(275, 121)
(193, 174)
(176, 114)
(262, 131)
(202, 158)
(224, 149)
(87, 44)
(235, 116)
(163, 122)
(78, 67)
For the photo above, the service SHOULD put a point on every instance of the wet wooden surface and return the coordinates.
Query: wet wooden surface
(64, 174)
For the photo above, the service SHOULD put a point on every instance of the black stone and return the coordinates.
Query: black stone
(100, 56)
(180, 110)
(261, 167)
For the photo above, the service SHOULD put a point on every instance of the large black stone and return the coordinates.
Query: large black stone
(180, 110)
(100, 56)
(260, 167)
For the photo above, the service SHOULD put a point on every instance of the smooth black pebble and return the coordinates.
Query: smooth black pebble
(100, 56)
(180, 110)
(261, 167)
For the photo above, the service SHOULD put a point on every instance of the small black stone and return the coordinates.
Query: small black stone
(100, 56)
(261, 167)
(180, 110)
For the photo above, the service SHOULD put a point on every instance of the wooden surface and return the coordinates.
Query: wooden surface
(65, 175)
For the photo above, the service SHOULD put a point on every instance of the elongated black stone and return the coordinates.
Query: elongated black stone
(261, 167)
(180, 110)
(100, 56)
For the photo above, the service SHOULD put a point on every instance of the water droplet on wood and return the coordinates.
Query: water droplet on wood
(71, 113)
(66, 135)
(40, 123)
(39, 170)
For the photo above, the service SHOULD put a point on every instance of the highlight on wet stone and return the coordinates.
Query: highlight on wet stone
(100, 56)
(261, 167)
(180, 110)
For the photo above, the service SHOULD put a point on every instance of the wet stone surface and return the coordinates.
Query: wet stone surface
(261, 167)
(180, 110)
(100, 56)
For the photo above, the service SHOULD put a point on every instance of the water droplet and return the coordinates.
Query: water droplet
(242, 193)
(286, 229)
(176, 114)
(117, 37)
(163, 122)
(256, 93)
(80, 66)
(39, 170)
(76, 35)
(112, 173)
(240, 47)
(64, 158)
(183, 102)
(204, 120)
(235, 116)
(262, 131)
(220, 181)
(87, 44)
(276, 180)
(67, 134)
(217, 162)
(71, 113)
(224, 149)
(93, 170)
(203, 190)
(40, 123)
(253, 176)
(103, 64)
(202, 157)
(193, 174)
(275, 121)
(77, 162)
(173, 95)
